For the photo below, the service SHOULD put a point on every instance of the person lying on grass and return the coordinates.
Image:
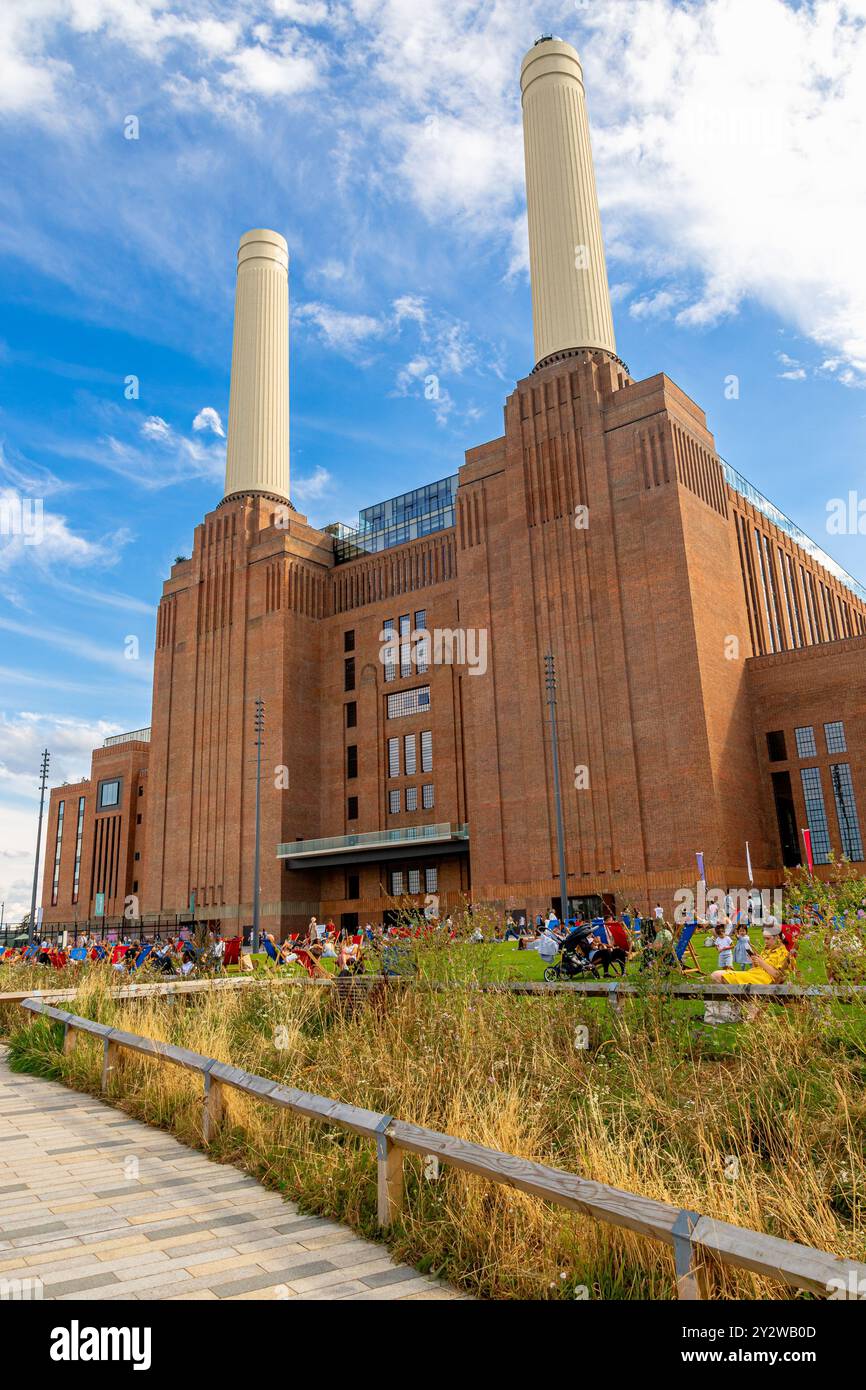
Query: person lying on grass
(769, 969)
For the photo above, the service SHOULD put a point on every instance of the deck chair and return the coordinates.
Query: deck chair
(31, 953)
(271, 951)
(311, 965)
(118, 953)
(684, 946)
(98, 952)
(142, 956)
(78, 954)
(232, 954)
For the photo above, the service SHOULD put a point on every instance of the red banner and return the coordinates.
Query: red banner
(807, 841)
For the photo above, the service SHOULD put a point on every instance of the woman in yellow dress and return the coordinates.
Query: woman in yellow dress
(764, 970)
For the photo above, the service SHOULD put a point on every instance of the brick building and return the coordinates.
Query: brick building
(711, 660)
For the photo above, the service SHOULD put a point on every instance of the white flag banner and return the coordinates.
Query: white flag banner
(749, 863)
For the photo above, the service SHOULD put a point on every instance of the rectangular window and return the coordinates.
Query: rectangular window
(427, 750)
(393, 757)
(776, 749)
(353, 886)
(349, 673)
(422, 645)
(806, 742)
(835, 736)
(431, 880)
(410, 755)
(351, 715)
(411, 798)
(396, 882)
(79, 835)
(816, 815)
(393, 803)
(846, 812)
(349, 641)
(352, 760)
(109, 794)
(390, 667)
(352, 808)
(414, 880)
(409, 702)
(405, 646)
(61, 807)
(427, 796)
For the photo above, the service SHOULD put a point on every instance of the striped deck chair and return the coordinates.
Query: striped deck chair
(142, 956)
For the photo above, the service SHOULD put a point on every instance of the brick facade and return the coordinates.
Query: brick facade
(685, 623)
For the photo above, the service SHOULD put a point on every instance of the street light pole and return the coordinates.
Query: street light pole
(550, 683)
(46, 758)
(260, 727)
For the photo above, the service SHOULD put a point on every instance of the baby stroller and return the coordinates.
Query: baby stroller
(580, 960)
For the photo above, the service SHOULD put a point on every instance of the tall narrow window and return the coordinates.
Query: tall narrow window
(352, 760)
(431, 880)
(422, 642)
(393, 803)
(390, 666)
(352, 808)
(410, 757)
(349, 673)
(427, 750)
(393, 757)
(411, 798)
(427, 796)
(351, 714)
(349, 641)
(405, 645)
(835, 736)
(61, 807)
(414, 880)
(396, 882)
(805, 737)
(846, 811)
(79, 835)
(816, 814)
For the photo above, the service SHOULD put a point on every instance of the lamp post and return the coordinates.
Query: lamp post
(260, 728)
(46, 758)
(550, 683)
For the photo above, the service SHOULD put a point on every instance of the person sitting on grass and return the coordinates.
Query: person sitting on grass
(658, 952)
(769, 969)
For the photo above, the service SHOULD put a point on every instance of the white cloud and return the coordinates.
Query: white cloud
(31, 535)
(209, 419)
(154, 427)
(338, 329)
(316, 486)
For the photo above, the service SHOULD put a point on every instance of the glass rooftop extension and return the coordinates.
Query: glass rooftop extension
(403, 518)
(784, 523)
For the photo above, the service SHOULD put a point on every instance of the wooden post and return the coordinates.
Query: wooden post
(69, 1039)
(390, 1178)
(214, 1108)
(110, 1055)
(692, 1282)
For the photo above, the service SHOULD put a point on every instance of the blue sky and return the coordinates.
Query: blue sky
(383, 140)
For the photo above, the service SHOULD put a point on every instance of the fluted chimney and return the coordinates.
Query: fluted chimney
(257, 455)
(570, 295)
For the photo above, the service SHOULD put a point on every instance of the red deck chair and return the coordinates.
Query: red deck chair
(618, 936)
(311, 965)
(232, 953)
(58, 959)
(118, 953)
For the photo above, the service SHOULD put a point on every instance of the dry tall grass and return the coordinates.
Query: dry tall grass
(655, 1104)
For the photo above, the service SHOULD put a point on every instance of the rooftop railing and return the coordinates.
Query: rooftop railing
(137, 736)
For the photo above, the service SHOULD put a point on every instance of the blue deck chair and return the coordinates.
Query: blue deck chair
(271, 951)
(142, 956)
(78, 953)
(682, 946)
(100, 950)
(30, 952)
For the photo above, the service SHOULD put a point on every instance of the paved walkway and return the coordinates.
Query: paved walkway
(99, 1206)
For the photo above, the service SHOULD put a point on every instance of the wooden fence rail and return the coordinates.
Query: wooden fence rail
(612, 990)
(696, 1240)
